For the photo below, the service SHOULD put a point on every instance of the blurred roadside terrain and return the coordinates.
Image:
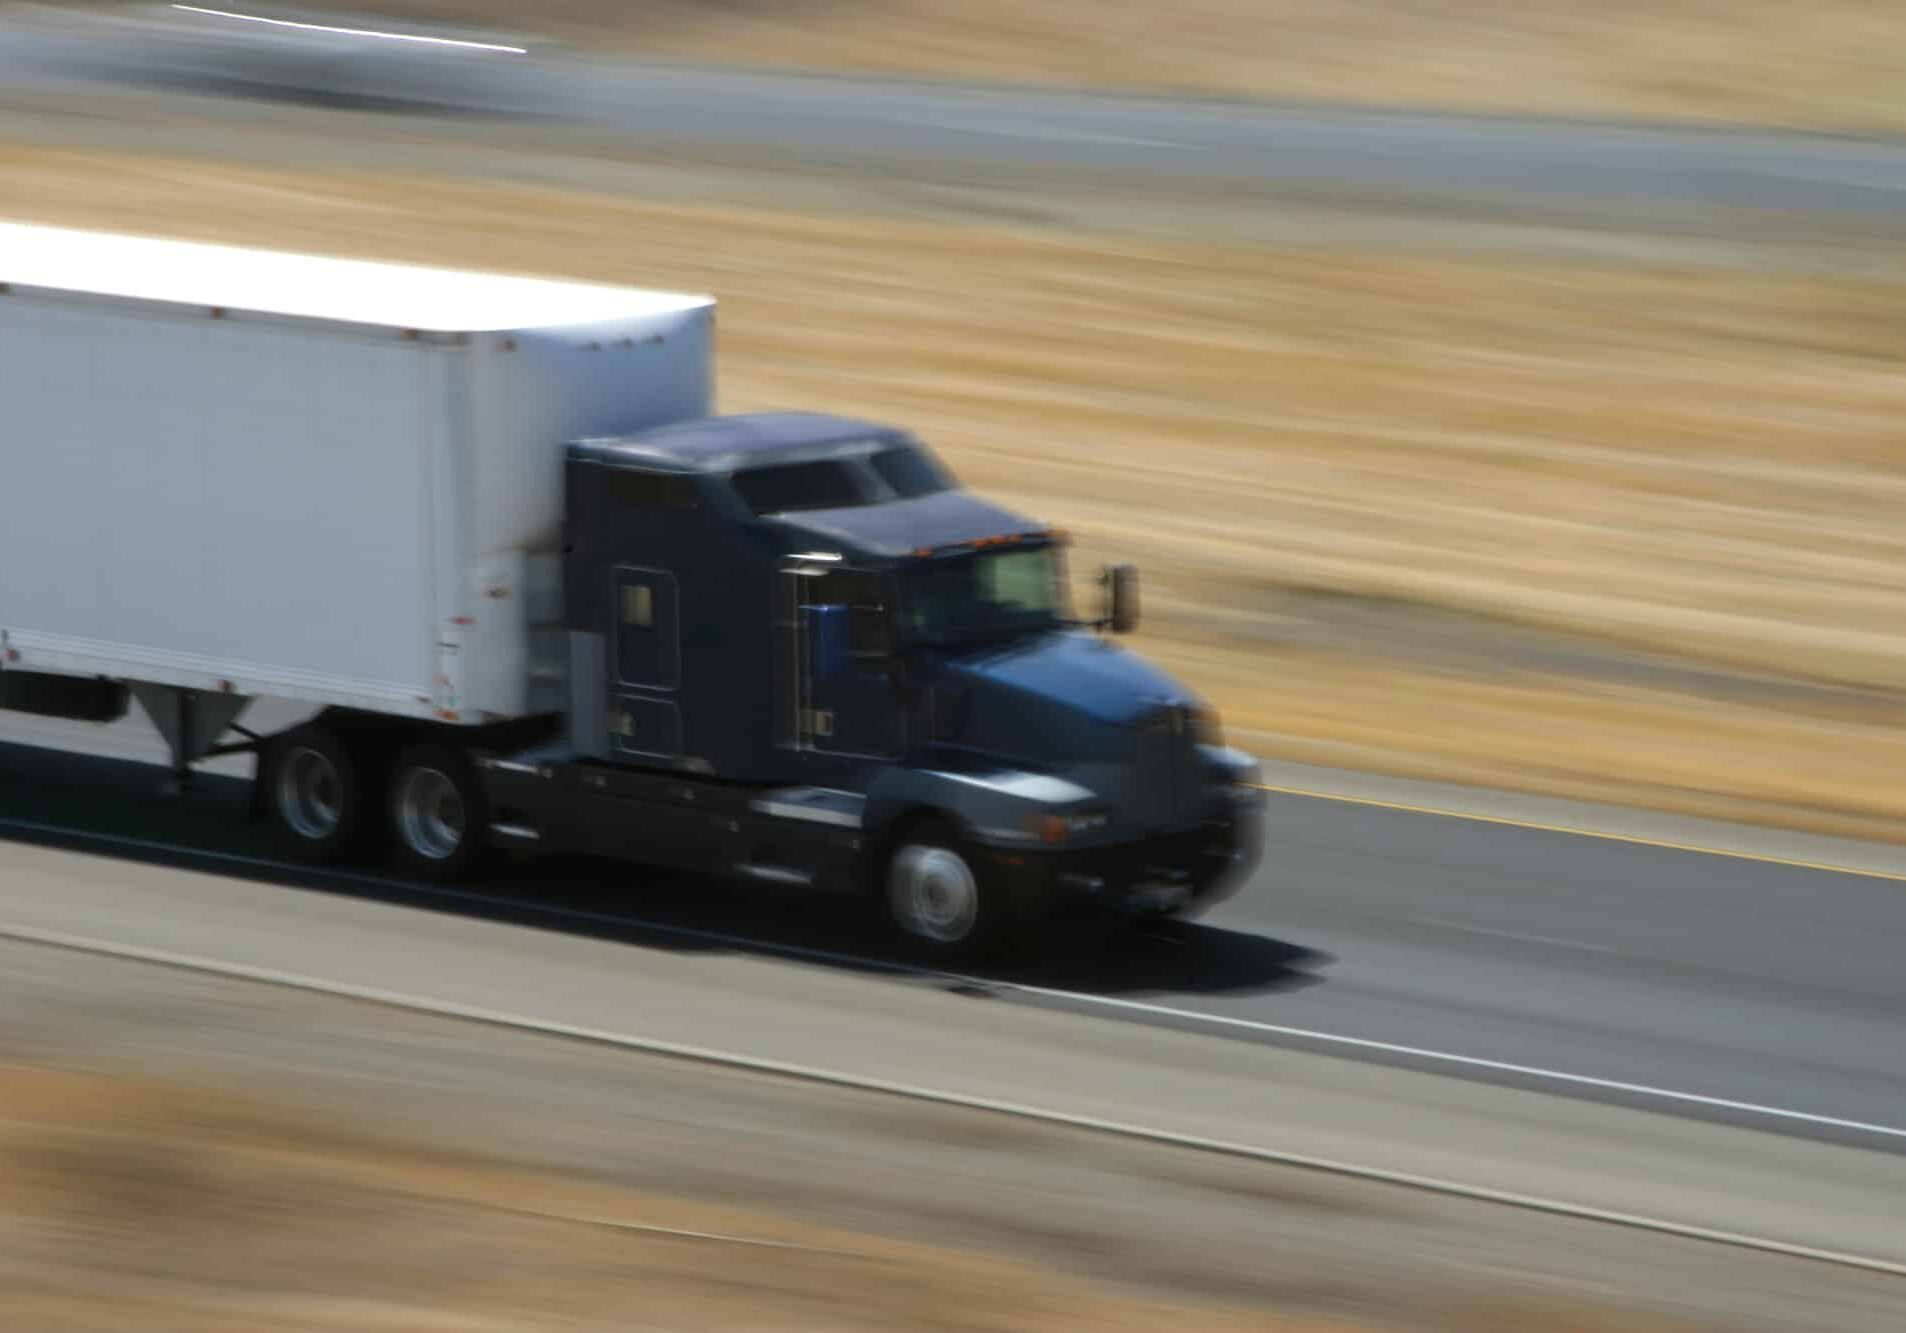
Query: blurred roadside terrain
(185, 1152)
(1831, 64)
(1592, 506)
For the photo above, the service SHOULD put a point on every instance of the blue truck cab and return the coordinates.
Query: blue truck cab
(801, 653)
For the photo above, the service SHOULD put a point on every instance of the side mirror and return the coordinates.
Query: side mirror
(1121, 598)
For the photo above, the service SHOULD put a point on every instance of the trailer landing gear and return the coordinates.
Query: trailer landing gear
(192, 723)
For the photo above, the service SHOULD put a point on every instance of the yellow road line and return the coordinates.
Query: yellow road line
(1574, 831)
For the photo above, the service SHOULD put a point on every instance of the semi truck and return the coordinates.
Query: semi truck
(539, 596)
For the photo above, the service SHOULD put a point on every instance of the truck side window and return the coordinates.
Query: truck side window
(649, 490)
(638, 605)
(1022, 580)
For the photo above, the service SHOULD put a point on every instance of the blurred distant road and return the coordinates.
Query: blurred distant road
(1625, 173)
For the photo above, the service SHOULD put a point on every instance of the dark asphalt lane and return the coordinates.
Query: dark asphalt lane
(1609, 962)
(1707, 974)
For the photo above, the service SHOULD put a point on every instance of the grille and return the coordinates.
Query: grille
(1169, 767)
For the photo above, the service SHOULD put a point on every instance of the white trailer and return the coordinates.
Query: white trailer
(543, 600)
(229, 473)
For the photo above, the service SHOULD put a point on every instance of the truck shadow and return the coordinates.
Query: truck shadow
(112, 808)
(1097, 954)
(1169, 958)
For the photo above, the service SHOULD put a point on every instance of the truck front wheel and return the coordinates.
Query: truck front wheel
(940, 897)
(437, 812)
(314, 790)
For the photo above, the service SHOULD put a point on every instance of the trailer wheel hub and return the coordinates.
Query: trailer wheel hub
(310, 793)
(430, 813)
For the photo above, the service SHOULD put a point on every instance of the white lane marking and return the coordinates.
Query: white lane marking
(356, 32)
(991, 984)
(919, 1092)
(1448, 1057)
(1526, 937)
(998, 131)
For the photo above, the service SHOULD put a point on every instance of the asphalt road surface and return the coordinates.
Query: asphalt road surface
(1751, 989)
(1278, 1027)
(1624, 172)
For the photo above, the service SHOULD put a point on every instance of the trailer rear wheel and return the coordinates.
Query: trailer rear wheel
(438, 813)
(315, 793)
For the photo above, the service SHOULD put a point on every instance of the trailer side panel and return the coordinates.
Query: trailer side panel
(194, 499)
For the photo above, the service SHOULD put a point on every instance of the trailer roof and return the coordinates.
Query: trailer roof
(309, 286)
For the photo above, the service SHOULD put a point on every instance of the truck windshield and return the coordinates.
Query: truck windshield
(992, 594)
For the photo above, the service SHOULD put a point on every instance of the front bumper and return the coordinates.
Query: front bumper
(1165, 871)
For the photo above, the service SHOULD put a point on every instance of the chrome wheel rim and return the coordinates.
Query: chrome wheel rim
(933, 893)
(310, 793)
(430, 814)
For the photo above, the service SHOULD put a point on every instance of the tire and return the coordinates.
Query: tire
(941, 900)
(314, 793)
(439, 818)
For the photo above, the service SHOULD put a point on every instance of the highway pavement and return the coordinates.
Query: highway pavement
(1242, 1032)
(1741, 986)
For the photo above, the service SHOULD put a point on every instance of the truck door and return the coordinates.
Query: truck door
(839, 639)
(645, 718)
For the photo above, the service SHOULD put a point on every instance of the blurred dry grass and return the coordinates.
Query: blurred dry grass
(131, 1204)
(171, 1207)
(1627, 531)
(1833, 63)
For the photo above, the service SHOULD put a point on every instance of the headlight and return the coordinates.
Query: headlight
(1060, 828)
